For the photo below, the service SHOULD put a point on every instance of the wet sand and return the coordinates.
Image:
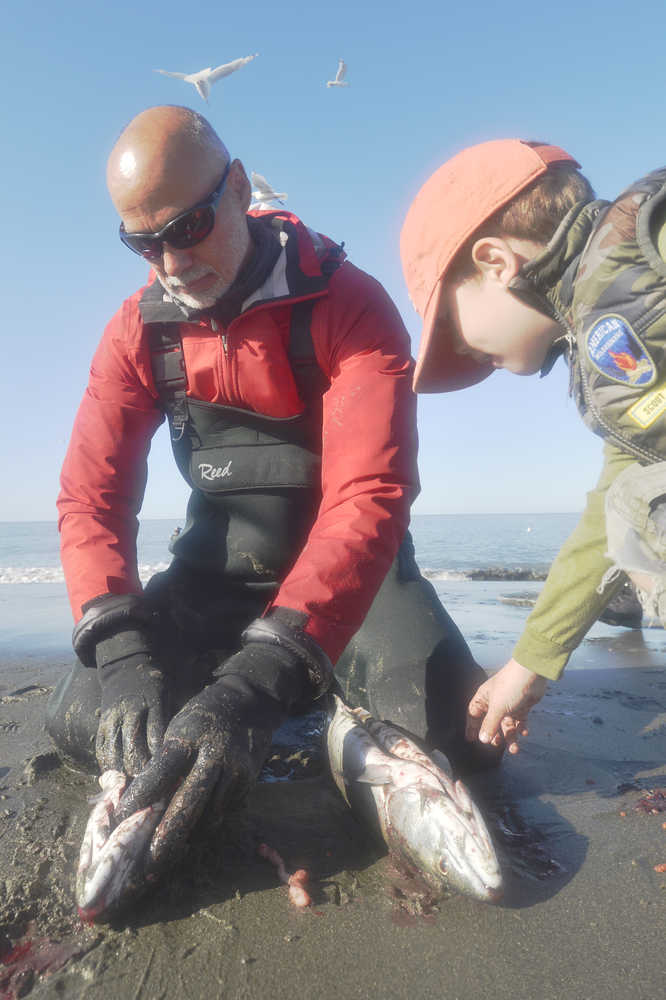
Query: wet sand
(583, 913)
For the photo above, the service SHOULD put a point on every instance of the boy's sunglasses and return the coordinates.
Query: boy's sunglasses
(183, 232)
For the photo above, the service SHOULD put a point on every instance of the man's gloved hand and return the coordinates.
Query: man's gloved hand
(214, 747)
(113, 635)
(133, 709)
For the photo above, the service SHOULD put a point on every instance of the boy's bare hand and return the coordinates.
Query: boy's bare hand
(498, 710)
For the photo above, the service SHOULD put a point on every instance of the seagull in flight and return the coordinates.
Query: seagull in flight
(339, 76)
(263, 193)
(203, 79)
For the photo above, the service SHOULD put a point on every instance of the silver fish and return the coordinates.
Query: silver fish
(111, 860)
(428, 821)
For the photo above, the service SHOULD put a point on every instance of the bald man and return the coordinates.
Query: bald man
(285, 375)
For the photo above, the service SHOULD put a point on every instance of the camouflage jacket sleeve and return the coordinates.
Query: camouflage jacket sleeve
(569, 603)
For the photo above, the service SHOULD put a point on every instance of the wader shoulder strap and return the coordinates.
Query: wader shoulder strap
(168, 364)
(310, 379)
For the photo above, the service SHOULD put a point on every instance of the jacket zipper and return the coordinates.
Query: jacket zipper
(625, 444)
(617, 438)
(223, 337)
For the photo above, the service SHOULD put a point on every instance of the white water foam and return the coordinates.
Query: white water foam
(54, 574)
(444, 574)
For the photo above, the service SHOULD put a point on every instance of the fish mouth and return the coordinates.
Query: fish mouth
(470, 883)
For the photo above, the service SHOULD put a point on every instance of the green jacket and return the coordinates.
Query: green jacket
(603, 278)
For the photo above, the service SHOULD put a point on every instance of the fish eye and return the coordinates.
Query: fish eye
(443, 867)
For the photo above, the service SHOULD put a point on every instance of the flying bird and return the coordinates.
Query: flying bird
(203, 79)
(339, 76)
(263, 193)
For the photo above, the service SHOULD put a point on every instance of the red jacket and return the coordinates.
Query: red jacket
(369, 475)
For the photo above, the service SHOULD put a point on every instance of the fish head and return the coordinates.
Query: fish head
(446, 840)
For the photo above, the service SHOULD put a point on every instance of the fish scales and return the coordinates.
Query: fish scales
(395, 742)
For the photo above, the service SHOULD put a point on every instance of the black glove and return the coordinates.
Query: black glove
(133, 709)
(114, 636)
(218, 741)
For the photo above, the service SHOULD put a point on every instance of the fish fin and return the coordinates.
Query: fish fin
(442, 762)
(464, 797)
(375, 774)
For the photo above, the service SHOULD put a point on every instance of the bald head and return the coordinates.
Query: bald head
(163, 152)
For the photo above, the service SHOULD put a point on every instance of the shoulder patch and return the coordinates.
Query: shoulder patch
(615, 351)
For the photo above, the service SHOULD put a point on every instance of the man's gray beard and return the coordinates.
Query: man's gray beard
(204, 300)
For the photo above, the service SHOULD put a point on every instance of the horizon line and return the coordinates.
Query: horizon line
(462, 513)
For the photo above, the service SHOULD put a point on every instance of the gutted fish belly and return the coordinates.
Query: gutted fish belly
(112, 860)
(428, 821)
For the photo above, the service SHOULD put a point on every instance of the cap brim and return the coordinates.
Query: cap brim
(438, 367)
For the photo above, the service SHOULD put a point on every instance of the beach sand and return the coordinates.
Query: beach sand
(583, 914)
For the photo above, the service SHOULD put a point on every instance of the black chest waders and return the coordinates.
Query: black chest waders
(256, 480)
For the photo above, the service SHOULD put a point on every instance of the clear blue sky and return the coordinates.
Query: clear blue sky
(425, 80)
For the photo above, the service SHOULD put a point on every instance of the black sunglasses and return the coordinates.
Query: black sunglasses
(186, 230)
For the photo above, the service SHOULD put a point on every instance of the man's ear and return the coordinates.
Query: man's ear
(238, 180)
(493, 258)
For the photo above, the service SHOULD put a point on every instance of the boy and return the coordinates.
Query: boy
(511, 262)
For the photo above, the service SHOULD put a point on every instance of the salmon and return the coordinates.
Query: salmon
(428, 821)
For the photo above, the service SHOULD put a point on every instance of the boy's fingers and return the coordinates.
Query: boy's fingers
(510, 726)
(510, 730)
(475, 716)
(491, 725)
(476, 710)
(472, 726)
(478, 704)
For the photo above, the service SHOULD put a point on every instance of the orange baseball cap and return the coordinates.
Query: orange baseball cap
(452, 204)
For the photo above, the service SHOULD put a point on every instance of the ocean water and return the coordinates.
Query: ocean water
(487, 570)
(448, 546)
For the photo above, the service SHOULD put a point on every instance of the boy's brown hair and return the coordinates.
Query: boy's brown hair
(534, 214)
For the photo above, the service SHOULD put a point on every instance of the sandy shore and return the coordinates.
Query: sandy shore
(583, 913)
